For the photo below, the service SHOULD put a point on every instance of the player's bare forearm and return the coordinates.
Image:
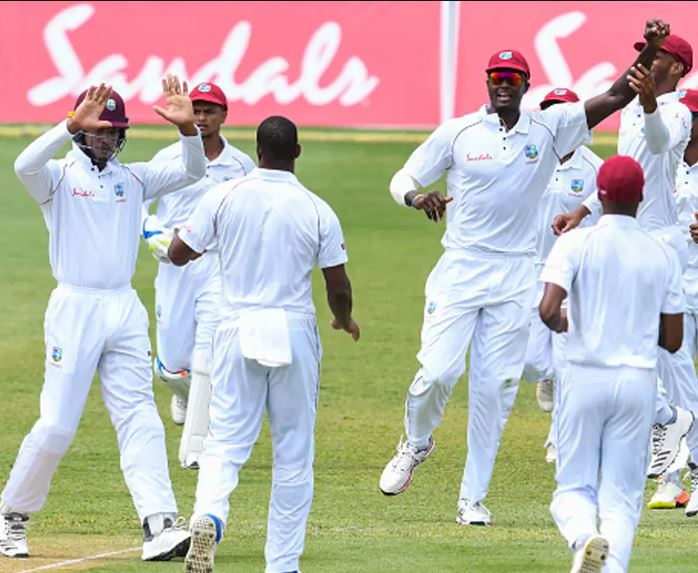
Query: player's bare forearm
(550, 309)
(621, 93)
(339, 298)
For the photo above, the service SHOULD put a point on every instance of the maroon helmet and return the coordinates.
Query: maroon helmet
(114, 110)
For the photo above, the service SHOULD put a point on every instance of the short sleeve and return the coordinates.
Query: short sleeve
(332, 251)
(568, 123)
(199, 231)
(433, 157)
(563, 261)
(674, 300)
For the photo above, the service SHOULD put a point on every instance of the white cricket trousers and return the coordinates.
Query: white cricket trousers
(545, 350)
(88, 330)
(484, 298)
(187, 310)
(678, 373)
(603, 423)
(242, 390)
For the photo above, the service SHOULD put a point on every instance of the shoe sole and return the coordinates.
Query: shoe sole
(199, 559)
(595, 556)
(665, 466)
(409, 479)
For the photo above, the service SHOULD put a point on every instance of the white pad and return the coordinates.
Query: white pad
(196, 422)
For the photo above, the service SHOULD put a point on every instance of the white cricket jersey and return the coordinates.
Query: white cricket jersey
(618, 279)
(175, 209)
(658, 208)
(94, 217)
(271, 232)
(497, 177)
(571, 183)
(686, 196)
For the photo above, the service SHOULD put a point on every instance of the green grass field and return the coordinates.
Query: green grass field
(352, 526)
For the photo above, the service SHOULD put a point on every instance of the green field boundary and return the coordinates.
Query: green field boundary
(310, 134)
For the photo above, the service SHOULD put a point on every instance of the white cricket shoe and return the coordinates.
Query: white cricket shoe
(666, 442)
(202, 550)
(397, 475)
(669, 495)
(470, 513)
(544, 395)
(13, 534)
(172, 541)
(692, 506)
(592, 557)
(178, 408)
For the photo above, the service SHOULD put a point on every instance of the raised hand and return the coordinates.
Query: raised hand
(178, 110)
(86, 115)
(656, 32)
(642, 83)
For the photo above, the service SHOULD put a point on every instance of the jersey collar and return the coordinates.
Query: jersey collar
(492, 121)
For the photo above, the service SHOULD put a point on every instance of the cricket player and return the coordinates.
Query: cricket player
(655, 130)
(499, 161)
(187, 300)
(91, 205)
(670, 492)
(271, 232)
(573, 181)
(624, 291)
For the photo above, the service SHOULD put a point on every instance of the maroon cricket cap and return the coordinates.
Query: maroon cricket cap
(690, 99)
(677, 47)
(209, 92)
(620, 180)
(508, 60)
(114, 110)
(558, 95)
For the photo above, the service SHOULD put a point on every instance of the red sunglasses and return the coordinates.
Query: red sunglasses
(497, 78)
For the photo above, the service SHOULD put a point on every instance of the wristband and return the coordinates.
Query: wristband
(416, 198)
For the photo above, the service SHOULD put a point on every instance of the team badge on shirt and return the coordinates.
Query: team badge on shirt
(431, 307)
(119, 192)
(56, 354)
(577, 185)
(531, 151)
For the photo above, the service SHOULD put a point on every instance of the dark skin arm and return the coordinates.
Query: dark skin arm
(433, 203)
(550, 309)
(671, 331)
(180, 253)
(340, 300)
(621, 93)
(635, 81)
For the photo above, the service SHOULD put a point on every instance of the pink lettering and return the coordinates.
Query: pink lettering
(481, 157)
(82, 193)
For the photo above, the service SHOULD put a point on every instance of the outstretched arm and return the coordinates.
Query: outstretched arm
(621, 92)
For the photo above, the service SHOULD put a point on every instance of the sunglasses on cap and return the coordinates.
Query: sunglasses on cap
(497, 78)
